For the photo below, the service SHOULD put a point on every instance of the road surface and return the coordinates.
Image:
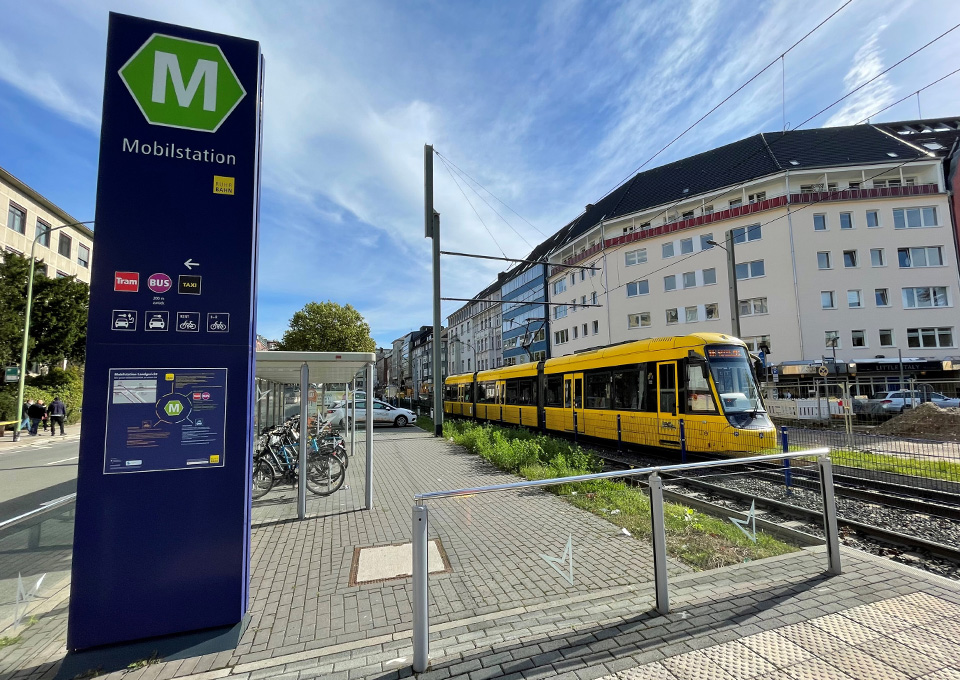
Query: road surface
(36, 470)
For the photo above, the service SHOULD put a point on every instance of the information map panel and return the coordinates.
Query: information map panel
(165, 419)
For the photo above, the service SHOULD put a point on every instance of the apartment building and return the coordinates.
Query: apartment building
(843, 238)
(62, 252)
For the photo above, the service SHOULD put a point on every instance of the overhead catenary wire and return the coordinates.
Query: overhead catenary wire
(453, 177)
(512, 259)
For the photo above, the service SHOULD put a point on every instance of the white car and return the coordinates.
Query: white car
(383, 414)
(896, 402)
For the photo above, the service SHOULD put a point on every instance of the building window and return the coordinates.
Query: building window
(62, 275)
(559, 311)
(560, 337)
(711, 310)
(703, 241)
(43, 233)
(690, 313)
(65, 245)
(753, 306)
(853, 185)
(83, 256)
(750, 270)
(854, 299)
(687, 215)
(635, 288)
(686, 246)
(670, 282)
(757, 197)
(672, 316)
(583, 300)
(593, 269)
(831, 339)
(873, 219)
(819, 222)
(886, 337)
(876, 258)
(823, 259)
(930, 337)
(633, 257)
(583, 274)
(708, 209)
(584, 330)
(744, 234)
(910, 218)
(17, 219)
(641, 320)
(882, 297)
(858, 338)
(596, 327)
(709, 276)
(846, 220)
(753, 343)
(849, 258)
(559, 286)
(593, 298)
(667, 250)
(574, 332)
(573, 280)
(735, 202)
(689, 279)
(920, 257)
(827, 300)
(925, 296)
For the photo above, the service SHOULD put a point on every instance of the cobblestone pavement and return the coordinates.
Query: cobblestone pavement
(503, 611)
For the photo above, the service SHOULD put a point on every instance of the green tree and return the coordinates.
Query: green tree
(327, 327)
(58, 318)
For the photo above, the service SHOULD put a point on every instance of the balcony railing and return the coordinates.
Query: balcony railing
(771, 203)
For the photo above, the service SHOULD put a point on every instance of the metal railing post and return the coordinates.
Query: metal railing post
(619, 435)
(683, 442)
(787, 472)
(829, 515)
(421, 603)
(659, 543)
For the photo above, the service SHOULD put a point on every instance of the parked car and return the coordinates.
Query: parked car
(383, 414)
(895, 402)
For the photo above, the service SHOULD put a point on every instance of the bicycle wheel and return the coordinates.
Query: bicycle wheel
(262, 478)
(325, 474)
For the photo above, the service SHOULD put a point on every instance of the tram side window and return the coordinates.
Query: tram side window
(451, 393)
(598, 389)
(487, 393)
(553, 395)
(650, 393)
(699, 396)
(627, 390)
(566, 392)
(468, 393)
(511, 393)
(526, 392)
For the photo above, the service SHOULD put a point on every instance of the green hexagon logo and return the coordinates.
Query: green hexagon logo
(182, 83)
(173, 407)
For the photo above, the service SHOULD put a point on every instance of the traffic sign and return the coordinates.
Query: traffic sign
(11, 374)
(822, 371)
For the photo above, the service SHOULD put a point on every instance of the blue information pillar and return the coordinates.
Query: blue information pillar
(162, 537)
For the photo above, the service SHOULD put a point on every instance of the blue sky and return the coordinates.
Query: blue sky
(548, 105)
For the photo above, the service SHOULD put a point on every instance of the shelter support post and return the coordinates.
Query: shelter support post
(353, 415)
(368, 423)
(304, 435)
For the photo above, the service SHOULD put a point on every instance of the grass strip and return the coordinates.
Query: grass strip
(699, 540)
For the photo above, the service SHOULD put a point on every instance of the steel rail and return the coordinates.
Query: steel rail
(432, 495)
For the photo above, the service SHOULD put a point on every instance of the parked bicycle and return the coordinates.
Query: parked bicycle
(277, 459)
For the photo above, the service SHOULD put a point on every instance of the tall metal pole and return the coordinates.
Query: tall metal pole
(732, 283)
(431, 226)
(304, 435)
(368, 434)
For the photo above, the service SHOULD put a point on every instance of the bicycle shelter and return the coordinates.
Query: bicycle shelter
(303, 368)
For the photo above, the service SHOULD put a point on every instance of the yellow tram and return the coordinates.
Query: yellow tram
(650, 393)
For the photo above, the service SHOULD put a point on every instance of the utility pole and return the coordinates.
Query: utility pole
(732, 279)
(431, 228)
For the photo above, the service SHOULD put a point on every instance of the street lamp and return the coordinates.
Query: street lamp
(731, 283)
(26, 323)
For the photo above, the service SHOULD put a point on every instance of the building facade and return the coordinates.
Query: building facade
(525, 323)
(30, 216)
(843, 238)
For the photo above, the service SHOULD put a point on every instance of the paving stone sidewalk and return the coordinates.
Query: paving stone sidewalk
(502, 611)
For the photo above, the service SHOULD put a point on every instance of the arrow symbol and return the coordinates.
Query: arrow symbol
(750, 521)
(190, 264)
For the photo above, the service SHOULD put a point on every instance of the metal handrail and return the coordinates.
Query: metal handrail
(431, 495)
(33, 514)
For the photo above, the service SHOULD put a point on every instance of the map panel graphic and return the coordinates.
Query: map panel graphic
(165, 419)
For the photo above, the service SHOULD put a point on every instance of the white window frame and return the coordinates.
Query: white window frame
(880, 260)
(905, 213)
(636, 285)
(833, 299)
(911, 255)
(828, 263)
(932, 292)
(640, 318)
(639, 256)
(937, 330)
(859, 298)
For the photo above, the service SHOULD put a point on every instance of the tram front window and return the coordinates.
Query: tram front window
(739, 395)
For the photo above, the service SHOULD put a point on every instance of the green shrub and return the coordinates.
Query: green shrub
(67, 384)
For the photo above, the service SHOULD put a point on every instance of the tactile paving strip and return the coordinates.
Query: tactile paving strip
(815, 640)
(915, 609)
(815, 669)
(923, 642)
(695, 666)
(944, 674)
(846, 629)
(738, 660)
(863, 666)
(901, 657)
(877, 619)
(652, 671)
(775, 648)
(948, 629)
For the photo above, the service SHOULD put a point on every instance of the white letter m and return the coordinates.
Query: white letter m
(164, 63)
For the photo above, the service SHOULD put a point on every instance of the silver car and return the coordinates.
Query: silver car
(383, 414)
(895, 402)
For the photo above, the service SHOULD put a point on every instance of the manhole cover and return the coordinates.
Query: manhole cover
(386, 562)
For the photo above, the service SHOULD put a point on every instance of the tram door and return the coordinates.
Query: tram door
(573, 401)
(669, 421)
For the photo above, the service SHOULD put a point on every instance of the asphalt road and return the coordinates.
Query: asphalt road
(41, 469)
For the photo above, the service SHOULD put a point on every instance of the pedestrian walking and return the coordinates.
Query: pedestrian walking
(35, 413)
(58, 413)
(43, 421)
(25, 423)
